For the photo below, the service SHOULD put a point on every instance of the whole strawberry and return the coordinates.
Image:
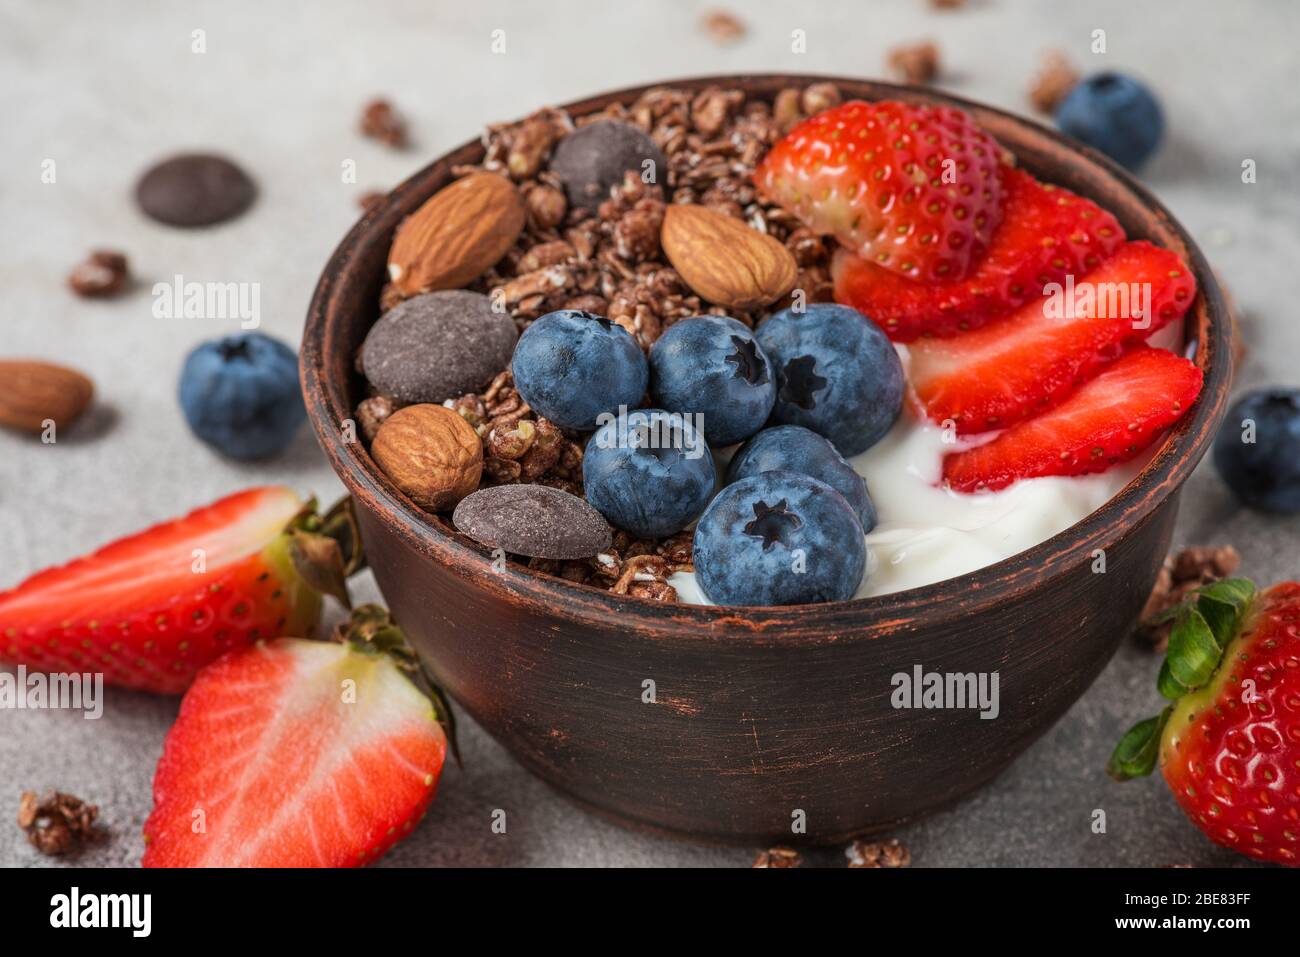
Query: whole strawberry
(1229, 743)
(300, 753)
(151, 609)
(913, 189)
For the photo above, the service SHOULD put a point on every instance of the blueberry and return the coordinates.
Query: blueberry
(836, 373)
(1115, 114)
(649, 473)
(713, 366)
(240, 394)
(779, 538)
(571, 367)
(1257, 452)
(792, 448)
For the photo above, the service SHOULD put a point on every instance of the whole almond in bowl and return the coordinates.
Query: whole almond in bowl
(431, 453)
(723, 260)
(33, 392)
(460, 233)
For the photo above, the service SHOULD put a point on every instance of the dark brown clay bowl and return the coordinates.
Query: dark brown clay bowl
(762, 713)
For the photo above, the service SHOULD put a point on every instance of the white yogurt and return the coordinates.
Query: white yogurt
(927, 534)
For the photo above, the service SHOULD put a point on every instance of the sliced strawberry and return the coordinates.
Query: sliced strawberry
(1028, 361)
(1107, 420)
(294, 753)
(914, 189)
(1047, 232)
(149, 610)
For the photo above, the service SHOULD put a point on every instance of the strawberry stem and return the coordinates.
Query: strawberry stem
(326, 549)
(1204, 625)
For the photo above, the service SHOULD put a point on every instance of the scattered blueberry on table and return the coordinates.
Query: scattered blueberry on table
(1115, 114)
(240, 395)
(571, 367)
(714, 367)
(650, 474)
(1257, 451)
(837, 374)
(779, 538)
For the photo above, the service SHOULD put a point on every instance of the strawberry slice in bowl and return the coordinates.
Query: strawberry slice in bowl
(300, 753)
(150, 609)
(913, 189)
(1028, 361)
(1046, 233)
(1108, 420)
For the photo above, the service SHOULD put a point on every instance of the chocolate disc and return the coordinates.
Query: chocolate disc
(533, 520)
(438, 346)
(594, 158)
(194, 189)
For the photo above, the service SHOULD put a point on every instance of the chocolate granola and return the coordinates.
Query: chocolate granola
(611, 263)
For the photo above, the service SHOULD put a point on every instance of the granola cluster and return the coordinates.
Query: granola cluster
(56, 823)
(611, 262)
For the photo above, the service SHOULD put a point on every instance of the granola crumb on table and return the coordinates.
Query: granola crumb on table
(778, 857)
(611, 263)
(56, 823)
(890, 853)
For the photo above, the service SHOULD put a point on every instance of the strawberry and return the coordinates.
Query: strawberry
(1047, 232)
(914, 189)
(1021, 364)
(151, 609)
(298, 753)
(1229, 743)
(1107, 420)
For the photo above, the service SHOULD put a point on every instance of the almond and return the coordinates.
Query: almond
(32, 392)
(724, 261)
(431, 453)
(460, 233)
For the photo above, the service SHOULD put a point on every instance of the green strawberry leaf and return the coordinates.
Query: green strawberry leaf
(1223, 604)
(1193, 651)
(1135, 755)
(1168, 685)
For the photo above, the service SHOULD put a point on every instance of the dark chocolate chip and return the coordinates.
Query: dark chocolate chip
(438, 346)
(194, 189)
(533, 520)
(594, 158)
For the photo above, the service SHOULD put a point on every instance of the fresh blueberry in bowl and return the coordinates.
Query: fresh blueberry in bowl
(571, 367)
(1257, 451)
(792, 448)
(649, 472)
(836, 374)
(240, 394)
(713, 366)
(1115, 114)
(779, 538)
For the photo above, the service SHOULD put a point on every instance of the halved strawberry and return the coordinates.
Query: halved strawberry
(1046, 233)
(1028, 361)
(1229, 743)
(1107, 420)
(150, 610)
(915, 189)
(297, 753)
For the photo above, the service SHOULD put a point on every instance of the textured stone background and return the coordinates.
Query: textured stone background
(104, 91)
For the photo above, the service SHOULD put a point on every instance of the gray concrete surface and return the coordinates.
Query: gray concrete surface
(103, 89)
